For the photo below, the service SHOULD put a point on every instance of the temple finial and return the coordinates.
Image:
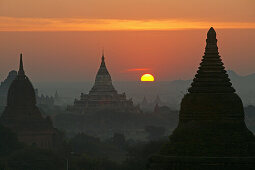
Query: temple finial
(211, 42)
(211, 36)
(21, 70)
(103, 55)
(102, 59)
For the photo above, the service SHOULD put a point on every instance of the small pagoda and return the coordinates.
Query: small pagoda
(211, 133)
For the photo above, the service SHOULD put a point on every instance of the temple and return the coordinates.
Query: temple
(44, 100)
(211, 133)
(4, 87)
(22, 116)
(103, 96)
(158, 101)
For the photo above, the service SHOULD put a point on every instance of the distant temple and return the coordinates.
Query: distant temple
(151, 106)
(211, 133)
(57, 99)
(22, 115)
(44, 100)
(158, 101)
(5, 86)
(103, 95)
(144, 102)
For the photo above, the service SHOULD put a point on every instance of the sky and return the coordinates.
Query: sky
(62, 40)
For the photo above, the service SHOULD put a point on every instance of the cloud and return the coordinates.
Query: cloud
(137, 69)
(81, 24)
(216, 10)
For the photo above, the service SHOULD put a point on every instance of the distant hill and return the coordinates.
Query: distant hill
(245, 86)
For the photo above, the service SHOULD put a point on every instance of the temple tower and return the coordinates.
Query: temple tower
(22, 116)
(211, 133)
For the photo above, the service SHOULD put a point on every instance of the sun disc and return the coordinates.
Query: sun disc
(147, 77)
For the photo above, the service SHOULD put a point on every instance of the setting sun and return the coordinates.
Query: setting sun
(147, 77)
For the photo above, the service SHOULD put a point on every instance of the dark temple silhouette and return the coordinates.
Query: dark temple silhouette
(211, 133)
(22, 116)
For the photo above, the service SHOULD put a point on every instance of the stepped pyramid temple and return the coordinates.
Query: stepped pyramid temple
(103, 95)
(22, 116)
(211, 134)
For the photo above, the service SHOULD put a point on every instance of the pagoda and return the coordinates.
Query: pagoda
(102, 96)
(22, 116)
(211, 133)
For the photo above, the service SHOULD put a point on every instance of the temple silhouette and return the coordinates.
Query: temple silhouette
(40, 100)
(44, 100)
(4, 87)
(103, 95)
(211, 133)
(23, 117)
(148, 106)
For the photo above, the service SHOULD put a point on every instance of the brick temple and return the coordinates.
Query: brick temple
(22, 116)
(103, 95)
(211, 133)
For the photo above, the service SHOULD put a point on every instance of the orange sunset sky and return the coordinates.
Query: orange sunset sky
(62, 40)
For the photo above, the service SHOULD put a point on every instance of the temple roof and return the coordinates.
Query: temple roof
(103, 70)
(211, 76)
(103, 81)
(21, 92)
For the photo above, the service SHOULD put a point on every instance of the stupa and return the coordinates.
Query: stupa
(211, 133)
(22, 116)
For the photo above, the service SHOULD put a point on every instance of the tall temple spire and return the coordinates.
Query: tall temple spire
(211, 35)
(211, 42)
(21, 70)
(103, 69)
(211, 76)
(102, 60)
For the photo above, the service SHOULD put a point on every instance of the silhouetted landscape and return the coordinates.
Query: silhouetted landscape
(104, 129)
(127, 85)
